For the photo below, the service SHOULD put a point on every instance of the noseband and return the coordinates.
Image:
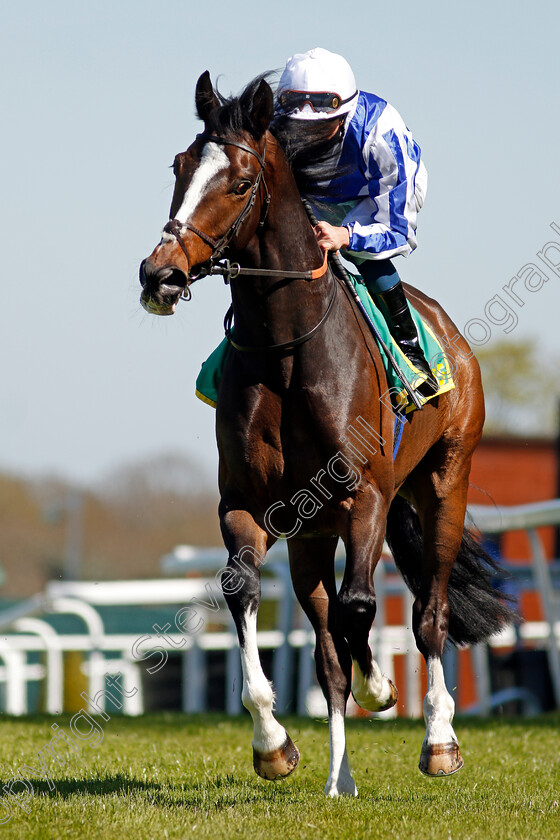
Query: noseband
(175, 227)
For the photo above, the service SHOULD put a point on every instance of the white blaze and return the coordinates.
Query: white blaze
(212, 161)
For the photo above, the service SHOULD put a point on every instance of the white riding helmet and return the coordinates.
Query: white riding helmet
(325, 82)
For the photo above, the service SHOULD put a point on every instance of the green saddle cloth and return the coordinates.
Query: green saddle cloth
(208, 379)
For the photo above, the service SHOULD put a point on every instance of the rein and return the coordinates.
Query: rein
(285, 345)
(230, 270)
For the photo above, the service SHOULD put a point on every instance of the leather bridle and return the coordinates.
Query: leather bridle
(175, 227)
(230, 270)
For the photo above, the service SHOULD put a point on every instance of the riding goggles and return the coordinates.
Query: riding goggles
(322, 102)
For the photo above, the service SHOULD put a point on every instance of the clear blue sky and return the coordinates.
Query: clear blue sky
(97, 97)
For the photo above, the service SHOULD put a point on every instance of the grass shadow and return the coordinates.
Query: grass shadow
(119, 783)
(217, 793)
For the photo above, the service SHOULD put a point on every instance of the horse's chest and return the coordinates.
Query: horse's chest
(276, 448)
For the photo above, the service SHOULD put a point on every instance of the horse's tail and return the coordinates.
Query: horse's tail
(476, 609)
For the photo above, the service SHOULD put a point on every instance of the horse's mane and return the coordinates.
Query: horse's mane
(303, 141)
(234, 115)
(313, 156)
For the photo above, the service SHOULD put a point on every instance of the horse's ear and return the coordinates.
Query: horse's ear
(205, 98)
(262, 108)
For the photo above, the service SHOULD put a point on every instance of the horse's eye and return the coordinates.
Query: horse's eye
(242, 187)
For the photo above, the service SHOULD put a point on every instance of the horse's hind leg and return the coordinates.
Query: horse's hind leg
(274, 753)
(371, 689)
(312, 568)
(442, 516)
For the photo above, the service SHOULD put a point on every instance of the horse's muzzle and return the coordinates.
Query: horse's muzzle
(162, 287)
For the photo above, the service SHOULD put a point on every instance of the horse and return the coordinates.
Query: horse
(305, 441)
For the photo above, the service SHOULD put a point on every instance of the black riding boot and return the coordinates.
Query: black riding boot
(403, 329)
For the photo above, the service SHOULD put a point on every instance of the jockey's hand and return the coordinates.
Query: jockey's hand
(331, 238)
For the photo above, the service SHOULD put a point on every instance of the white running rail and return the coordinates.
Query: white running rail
(291, 640)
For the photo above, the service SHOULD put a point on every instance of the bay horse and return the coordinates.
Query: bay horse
(298, 408)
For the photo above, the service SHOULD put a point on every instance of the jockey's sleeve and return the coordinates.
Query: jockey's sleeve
(383, 223)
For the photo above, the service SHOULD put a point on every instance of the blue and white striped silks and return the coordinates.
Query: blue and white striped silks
(380, 183)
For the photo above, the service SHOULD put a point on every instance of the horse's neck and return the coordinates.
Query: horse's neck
(270, 310)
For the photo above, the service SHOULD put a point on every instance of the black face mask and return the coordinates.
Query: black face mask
(302, 138)
(311, 152)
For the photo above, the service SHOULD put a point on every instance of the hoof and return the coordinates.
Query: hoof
(440, 759)
(392, 699)
(277, 763)
(346, 788)
(370, 704)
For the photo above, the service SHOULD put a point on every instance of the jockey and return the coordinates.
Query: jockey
(357, 163)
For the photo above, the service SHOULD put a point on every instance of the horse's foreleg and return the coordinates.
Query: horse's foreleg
(274, 753)
(357, 606)
(442, 526)
(312, 568)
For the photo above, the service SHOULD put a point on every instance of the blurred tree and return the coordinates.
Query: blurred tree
(130, 520)
(520, 389)
(164, 492)
(30, 547)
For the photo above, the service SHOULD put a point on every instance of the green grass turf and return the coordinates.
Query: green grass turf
(176, 776)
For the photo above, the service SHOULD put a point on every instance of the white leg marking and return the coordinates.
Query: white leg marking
(212, 161)
(438, 706)
(374, 692)
(257, 694)
(340, 781)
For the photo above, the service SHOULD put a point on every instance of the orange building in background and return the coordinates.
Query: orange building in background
(513, 471)
(509, 472)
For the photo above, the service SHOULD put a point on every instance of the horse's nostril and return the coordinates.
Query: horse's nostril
(142, 273)
(164, 277)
